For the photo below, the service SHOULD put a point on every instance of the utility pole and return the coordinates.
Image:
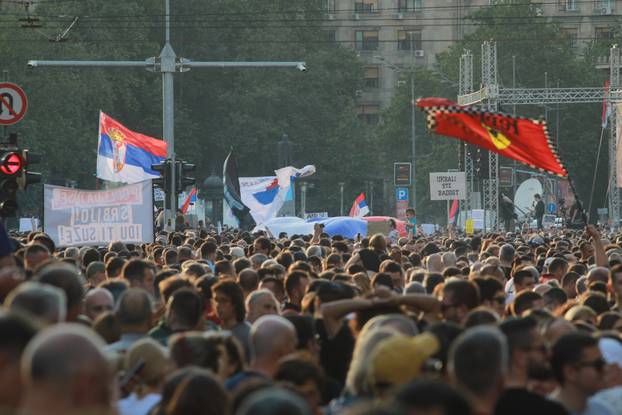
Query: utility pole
(167, 63)
(412, 120)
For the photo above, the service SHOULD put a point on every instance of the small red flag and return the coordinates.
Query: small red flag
(517, 138)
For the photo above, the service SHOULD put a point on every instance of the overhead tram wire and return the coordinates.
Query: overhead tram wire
(279, 41)
(324, 10)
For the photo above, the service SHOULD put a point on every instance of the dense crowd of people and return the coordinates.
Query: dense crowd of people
(201, 322)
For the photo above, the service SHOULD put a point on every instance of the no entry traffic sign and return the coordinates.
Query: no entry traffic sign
(13, 103)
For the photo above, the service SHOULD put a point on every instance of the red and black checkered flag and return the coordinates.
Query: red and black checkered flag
(517, 138)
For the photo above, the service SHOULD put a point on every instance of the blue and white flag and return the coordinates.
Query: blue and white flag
(265, 196)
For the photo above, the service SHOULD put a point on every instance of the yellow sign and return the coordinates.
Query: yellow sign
(468, 226)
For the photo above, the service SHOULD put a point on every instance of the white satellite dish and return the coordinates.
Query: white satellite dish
(523, 199)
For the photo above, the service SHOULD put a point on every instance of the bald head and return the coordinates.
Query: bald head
(272, 337)
(64, 369)
(98, 301)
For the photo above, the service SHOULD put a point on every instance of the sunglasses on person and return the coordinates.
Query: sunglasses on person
(598, 364)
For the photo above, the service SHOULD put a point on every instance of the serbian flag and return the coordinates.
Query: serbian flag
(517, 138)
(191, 199)
(124, 155)
(359, 207)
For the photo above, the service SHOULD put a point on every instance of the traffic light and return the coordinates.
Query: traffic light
(11, 167)
(182, 181)
(28, 177)
(164, 168)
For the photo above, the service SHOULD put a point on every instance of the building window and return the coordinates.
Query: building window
(329, 5)
(366, 39)
(409, 40)
(366, 6)
(409, 5)
(369, 113)
(571, 33)
(568, 5)
(603, 34)
(372, 75)
(330, 35)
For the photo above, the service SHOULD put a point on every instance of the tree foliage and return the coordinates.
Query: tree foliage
(215, 109)
(541, 51)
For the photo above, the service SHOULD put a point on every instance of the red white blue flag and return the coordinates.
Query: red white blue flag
(124, 155)
(190, 200)
(359, 207)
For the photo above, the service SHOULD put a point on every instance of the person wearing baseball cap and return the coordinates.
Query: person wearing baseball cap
(399, 359)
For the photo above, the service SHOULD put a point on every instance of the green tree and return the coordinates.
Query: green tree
(215, 109)
(540, 49)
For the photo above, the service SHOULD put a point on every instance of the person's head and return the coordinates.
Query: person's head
(64, 371)
(184, 310)
(506, 255)
(577, 362)
(134, 311)
(155, 365)
(395, 271)
(458, 298)
(34, 255)
(528, 353)
(193, 390)
(205, 350)
(114, 267)
(66, 278)
(569, 282)
(272, 338)
(95, 273)
(17, 331)
(410, 213)
(262, 245)
(558, 267)
(305, 375)
(598, 274)
(306, 333)
(526, 300)
(492, 294)
(478, 361)
(248, 280)
(43, 302)
(524, 279)
(260, 303)
(554, 298)
(296, 283)
(208, 251)
(139, 274)
(228, 301)
(537, 197)
(615, 280)
(97, 301)
(275, 285)
(428, 396)
(386, 361)
(269, 400)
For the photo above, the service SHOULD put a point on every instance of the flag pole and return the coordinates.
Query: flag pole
(600, 144)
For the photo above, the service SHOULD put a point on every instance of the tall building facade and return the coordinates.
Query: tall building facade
(393, 35)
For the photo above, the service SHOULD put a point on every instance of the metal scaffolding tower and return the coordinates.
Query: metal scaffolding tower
(491, 95)
(465, 86)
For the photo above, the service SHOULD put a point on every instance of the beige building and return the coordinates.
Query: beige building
(392, 35)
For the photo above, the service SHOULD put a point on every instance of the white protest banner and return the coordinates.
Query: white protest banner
(74, 217)
(447, 186)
